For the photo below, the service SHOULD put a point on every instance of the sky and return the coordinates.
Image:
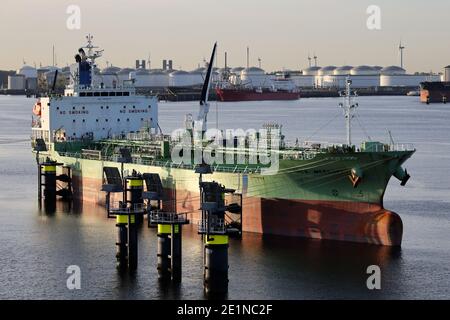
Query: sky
(280, 32)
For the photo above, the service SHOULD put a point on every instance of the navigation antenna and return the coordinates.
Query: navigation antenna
(349, 107)
(91, 53)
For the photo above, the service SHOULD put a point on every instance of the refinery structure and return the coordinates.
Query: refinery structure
(167, 79)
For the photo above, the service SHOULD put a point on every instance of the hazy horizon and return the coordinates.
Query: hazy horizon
(282, 33)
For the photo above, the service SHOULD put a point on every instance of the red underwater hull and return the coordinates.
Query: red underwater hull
(229, 95)
(332, 220)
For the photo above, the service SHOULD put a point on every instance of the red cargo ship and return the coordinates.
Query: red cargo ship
(250, 94)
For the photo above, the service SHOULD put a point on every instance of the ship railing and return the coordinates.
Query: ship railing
(122, 208)
(162, 217)
(214, 227)
(402, 147)
(167, 163)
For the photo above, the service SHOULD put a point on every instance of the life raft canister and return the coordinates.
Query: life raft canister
(37, 108)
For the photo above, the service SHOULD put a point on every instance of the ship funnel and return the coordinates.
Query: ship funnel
(402, 175)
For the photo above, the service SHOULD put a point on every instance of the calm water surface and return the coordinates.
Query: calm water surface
(36, 248)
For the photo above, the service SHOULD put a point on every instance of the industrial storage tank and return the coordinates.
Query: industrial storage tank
(326, 70)
(16, 82)
(364, 77)
(343, 71)
(141, 78)
(109, 77)
(447, 73)
(255, 77)
(197, 76)
(237, 70)
(158, 79)
(311, 71)
(180, 78)
(28, 72)
(124, 75)
(394, 76)
(364, 71)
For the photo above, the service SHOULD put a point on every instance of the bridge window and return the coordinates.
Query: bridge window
(96, 94)
(82, 94)
(119, 94)
(89, 94)
(104, 94)
(126, 94)
(112, 94)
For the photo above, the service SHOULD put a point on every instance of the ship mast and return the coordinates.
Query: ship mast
(92, 54)
(349, 107)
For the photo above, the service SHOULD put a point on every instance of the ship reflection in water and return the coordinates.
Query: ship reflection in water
(261, 266)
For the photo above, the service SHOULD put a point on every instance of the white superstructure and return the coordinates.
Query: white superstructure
(89, 110)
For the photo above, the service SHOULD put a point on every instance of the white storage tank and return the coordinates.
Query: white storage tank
(343, 71)
(197, 76)
(179, 78)
(447, 73)
(326, 70)
(109, 77)
(364, 71)
(124, 75)
(28, 72)
(142, 78)
(255, 77)
(311, 71)
(16, 82)
(159, 79)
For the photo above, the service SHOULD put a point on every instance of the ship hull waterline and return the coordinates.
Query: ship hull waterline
(361, 218)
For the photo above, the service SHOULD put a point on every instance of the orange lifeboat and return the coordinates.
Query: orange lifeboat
(37, 108)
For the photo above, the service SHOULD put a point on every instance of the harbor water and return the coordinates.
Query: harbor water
(36, 248)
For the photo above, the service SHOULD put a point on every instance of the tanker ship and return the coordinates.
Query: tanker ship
(315, 190)
(255, 94)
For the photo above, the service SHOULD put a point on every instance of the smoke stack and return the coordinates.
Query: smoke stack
(170, 65)
(164, 66)
(137, 64)
(143, 64)
(248, 57)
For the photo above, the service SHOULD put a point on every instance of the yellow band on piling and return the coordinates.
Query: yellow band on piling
(49, 168)
(122, 218)
(135, 183)
(164, 228)
(216, 239)
(176, 228)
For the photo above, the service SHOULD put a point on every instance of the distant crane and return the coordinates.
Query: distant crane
(315, 60)
(401, 48)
